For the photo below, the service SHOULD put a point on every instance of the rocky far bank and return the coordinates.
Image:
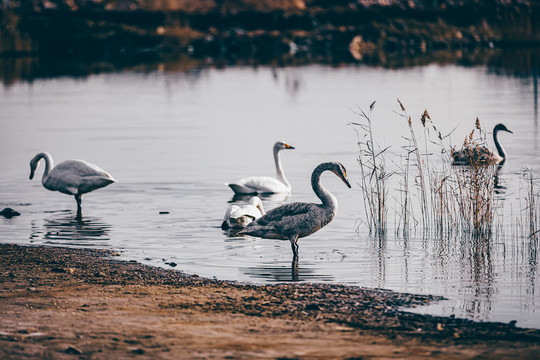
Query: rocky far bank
(263, 32)
(59, 303)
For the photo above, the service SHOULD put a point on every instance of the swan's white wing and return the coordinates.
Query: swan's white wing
(240, 216)
(259, 184)
(77, 177)
(231, 209)
(246, 210)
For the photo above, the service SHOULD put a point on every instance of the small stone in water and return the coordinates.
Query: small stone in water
(9, 213)
(73, 350)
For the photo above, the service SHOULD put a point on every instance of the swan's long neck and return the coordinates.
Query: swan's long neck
(49, 164)
(329, 201)
(279, 168)
(499, 147)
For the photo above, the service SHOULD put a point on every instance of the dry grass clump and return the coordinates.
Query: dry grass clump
(434, 196)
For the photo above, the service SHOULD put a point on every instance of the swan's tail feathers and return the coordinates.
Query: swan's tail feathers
(240, 189)
(110, 178)
(104, 181)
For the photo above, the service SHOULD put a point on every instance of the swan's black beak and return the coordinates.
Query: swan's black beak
(510, 131)
(346, 182)
(31, 174)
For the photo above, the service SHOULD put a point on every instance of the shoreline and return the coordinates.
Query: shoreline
(61, 302)
(58, 40)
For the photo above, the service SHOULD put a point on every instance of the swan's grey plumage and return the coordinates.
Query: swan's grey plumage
(296, 220)
(481, 155)
(265, 184)
(238, 217)
(71, 177)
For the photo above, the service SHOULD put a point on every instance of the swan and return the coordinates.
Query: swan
(71, 177)
(296, 220)
(265, 184)
(237, 217)
(481, 155)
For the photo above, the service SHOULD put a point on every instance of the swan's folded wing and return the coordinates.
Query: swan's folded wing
(63, 180)
(260, 184)
(285, 213)
(83, 169)
(247, 210)
(77, 177)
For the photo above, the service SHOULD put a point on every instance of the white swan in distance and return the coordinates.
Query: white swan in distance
(265, 184)
(71, 177)
(472, 155)
(238, 217)
(296, 220)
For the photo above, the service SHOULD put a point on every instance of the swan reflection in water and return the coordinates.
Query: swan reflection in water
(284, 273)
(64, 228)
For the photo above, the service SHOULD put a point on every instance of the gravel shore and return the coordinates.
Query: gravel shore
(77, 303)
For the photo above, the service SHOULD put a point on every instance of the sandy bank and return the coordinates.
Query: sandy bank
(67, 303)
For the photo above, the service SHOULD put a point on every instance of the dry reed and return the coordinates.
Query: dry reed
(373, 182)
(449, 199)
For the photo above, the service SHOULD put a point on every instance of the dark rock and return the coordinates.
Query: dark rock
(73, 350)
(9, 213)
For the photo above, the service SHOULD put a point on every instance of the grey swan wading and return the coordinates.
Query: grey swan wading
(297, 220)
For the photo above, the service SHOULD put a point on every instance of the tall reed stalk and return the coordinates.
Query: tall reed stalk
(532, 204)
(449, 198)
(373, 181)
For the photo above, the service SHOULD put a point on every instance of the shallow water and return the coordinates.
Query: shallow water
(173, 140)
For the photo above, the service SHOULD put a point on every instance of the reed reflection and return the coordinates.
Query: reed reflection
(68, 229)
(478, 271)
(532, 269)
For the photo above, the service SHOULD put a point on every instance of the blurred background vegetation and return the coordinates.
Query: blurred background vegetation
(51, 37)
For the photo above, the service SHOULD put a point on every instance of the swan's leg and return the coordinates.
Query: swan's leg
(294, 269)
(78, 198)
(294, 245)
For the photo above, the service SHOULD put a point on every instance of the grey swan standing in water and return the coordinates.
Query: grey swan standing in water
(71, 177)
(265, 184)
(482, 155)
(238, 217)
(296, 220)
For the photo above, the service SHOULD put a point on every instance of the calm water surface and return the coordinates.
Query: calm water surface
(173, 140)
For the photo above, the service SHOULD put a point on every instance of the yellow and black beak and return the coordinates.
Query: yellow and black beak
(345, 180)
(287, 146)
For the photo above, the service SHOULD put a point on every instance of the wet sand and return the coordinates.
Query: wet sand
(63, 303)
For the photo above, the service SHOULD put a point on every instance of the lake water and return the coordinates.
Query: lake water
(174, 139)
